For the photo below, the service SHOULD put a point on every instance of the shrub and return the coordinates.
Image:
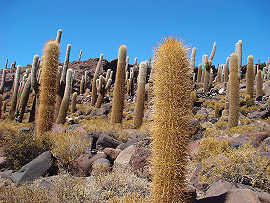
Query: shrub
(20, 147)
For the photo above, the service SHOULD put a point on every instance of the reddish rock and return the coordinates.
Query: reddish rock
(219, 188)
(112, 153)
(192, 147)
(259, 137)
(82, 165)
(57, 128)
(140, 162)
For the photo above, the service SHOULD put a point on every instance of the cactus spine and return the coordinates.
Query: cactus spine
(234, 91)
(15, 93)
(65, 101)
(172, 88)
(94, 87)
(73, 102)
(250, 76)
(119, 87)
(47, 86)
(141, 80)
(259, 81)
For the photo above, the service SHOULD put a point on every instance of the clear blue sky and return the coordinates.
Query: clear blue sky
(101, 26)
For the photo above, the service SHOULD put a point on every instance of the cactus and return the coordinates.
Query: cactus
(250, 76)
(149, 64)
(15, 93)
(4, 106)
(234, 91)
(94, 88)
(135, 61)
(238, 51)
(131, 84)
(199, 76)
(211, 78)
(3, 81)
(141, 80)
(150, 86)
(202, 77)
(34, 81)
(80, 56)
(47, 86)
(1, 104)
(172, 87)
(127, 64)
(213, 51)
(73, 102)
(65, 101)
(103, 84)
(217, 109)
(82, 85)
(219, 74)
(119, 87)
(206, 67)
(226, 70)
(58, 37)
(85, 80)
(259, 81)
(24, 98)
(61, 84)
(192, 61)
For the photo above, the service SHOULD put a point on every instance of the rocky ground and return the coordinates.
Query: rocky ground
(231, 164)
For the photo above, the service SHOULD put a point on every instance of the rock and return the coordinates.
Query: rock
(104, 110)
(40, 166)
(100, 165)
(123, 159)
(233, 196)
(266, 88)
(57, 128)
(77, 128)
(242, 139)
(81, 117)
(127, 144)
(194, 180)
(259, 136)
(219, 187)
(45, 184)
(3, 162)
(25, 129)
(112, 153)
(105, 141)
(192, 147)
(139, 162)
(6, 174)
(82, 166)
(259, 114)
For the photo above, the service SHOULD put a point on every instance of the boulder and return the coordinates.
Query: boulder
(100, 166)
(57, 128)
(40, 166)
(112, 153)
(127, 144)
(104, 141)
(123, 159)
(82, 166)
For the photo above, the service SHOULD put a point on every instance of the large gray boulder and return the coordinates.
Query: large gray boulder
(40, 166)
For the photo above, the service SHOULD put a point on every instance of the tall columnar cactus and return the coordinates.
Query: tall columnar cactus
(206, 66)
(15, 93)
(234, 91)
(199, 76)
(61, 84)
(192, 60)
(202, 77)
(259, 81)
(34, 81)
(226, 70)
(1, 104)
(73, 102)
(65, 101)
(24, 98)
(172, 88)
(47, 86)
(103, 84)
(150, 87)
(250, 76)
(131, 84)
(211, 78)
(135, 61)
(3, 81)
(127, 64)
(238, 51)
(219, 74)
(213, 51)
(119, 87)
(217, 109)
(80, 56)
(82, 85)
(58, 37)
(85, 80)
(94, 87)
(141, 80)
